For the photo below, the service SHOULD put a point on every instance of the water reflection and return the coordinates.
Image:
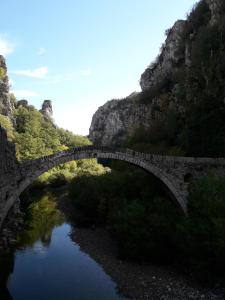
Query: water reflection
(42, 217)
(47, 264)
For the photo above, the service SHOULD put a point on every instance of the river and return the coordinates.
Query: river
(47, 265)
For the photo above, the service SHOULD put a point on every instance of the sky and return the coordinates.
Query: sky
(80, 54)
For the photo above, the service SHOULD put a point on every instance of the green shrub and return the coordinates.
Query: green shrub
(2, 73)
(145, 230)
(6, 123)
(201, 237)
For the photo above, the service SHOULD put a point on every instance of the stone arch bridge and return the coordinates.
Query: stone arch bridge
(174, 173)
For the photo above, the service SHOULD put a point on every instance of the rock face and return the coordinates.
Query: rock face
(117, 119)
(8, 171)
(22, 102)
(170, 58)
(6, 107)
(7, 153)
(46, 109)
(215, 7)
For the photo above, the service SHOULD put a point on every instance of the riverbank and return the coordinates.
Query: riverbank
(138, 281)
(135, 281)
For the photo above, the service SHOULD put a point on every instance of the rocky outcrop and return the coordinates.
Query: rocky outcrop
(117, 119)
(6, 107)
(215, 7)
(172, 56)
(22, 102)
(46, 109)
(163, 82)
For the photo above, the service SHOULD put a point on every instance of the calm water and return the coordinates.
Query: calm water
(48, 265)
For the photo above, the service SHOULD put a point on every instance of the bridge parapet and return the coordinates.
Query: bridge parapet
(174, 173)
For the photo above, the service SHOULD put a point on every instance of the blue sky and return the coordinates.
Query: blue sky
(82, 53)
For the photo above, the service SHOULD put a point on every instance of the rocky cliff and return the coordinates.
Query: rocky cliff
(116, 119)
(6, 106)
(46, 109)
(176, 52)
(216, 9)
(163, 83)
(171, 57)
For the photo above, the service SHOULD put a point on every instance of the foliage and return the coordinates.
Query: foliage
(145, 229)
(67, 138)
(36, 136)
(195, 91)
(141, 220)
(160, 138)
(201, 237)
(147, 226)
(199, 16)
(2, 73)
(6, 123)
(156, 90)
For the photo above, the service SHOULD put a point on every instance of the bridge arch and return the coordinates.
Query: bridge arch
(31, 170)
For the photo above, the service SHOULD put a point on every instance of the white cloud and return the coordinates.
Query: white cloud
(41, 51)
(24, 93)
(36, 73)
(5, 46)
(60, 78)
(87, 72)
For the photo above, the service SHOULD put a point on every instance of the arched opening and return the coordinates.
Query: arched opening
(39, 166)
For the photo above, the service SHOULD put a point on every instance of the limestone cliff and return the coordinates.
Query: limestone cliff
(6, 106)
(170, 58)
(176, 53)
(118, 119)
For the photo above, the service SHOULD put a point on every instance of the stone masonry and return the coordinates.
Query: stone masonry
(175, 173)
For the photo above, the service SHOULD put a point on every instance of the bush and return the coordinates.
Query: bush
(201, 237)
(199, 16)
(6, 123)
(2, 73)
(145, 230)
(142, 222)
(148, 227)
(163, 86)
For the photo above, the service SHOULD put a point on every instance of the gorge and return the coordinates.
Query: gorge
(136, 209)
